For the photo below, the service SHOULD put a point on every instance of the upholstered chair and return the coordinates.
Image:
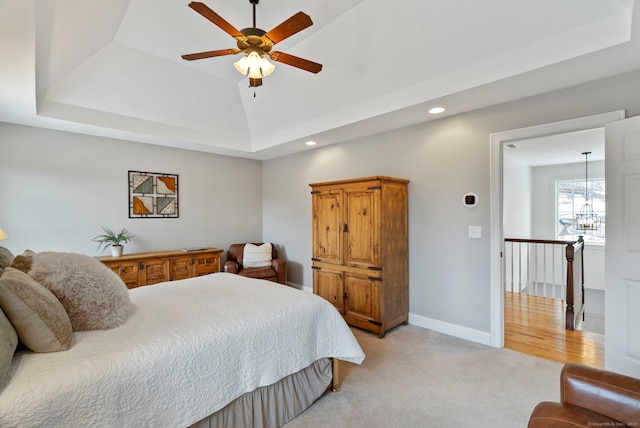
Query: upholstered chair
(590, 397)
(256, 260)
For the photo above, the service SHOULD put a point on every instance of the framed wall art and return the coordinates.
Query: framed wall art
(153, 195)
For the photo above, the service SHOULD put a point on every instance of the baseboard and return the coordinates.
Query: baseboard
(455, 330)
(593, 323)
(300, 287)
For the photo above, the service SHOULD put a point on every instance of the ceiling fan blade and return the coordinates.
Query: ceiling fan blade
(210, 54)
(295, 61)
(288, 28)
(205, 11)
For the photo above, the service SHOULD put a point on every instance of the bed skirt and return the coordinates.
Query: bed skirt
(274, 405)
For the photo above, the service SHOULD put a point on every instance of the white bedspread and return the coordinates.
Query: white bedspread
(189, 348)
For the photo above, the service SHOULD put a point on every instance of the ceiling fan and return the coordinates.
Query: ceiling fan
(256, 44)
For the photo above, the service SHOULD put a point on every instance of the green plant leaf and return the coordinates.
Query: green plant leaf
(111, 238)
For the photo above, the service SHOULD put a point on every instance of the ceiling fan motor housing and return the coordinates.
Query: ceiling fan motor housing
(253, 38)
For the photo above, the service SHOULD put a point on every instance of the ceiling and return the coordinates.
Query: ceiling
(114, 68)
(558, 149)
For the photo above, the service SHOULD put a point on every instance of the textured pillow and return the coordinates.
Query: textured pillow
(6, 257)
(8, 344)
(23, 261)
(94, 296)
(256, 255)
(37, 316)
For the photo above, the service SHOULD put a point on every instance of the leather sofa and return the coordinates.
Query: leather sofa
(591, 397)
(276, 272)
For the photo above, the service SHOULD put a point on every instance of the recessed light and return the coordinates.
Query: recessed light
(436, 110)
(310, 143)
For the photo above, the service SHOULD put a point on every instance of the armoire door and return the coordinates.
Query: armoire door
(362, 302)
(329, 284)
(328, 224)
(362, 234)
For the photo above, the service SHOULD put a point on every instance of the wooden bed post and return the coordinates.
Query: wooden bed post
(336, 375)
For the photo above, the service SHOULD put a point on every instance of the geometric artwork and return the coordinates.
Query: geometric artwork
(153, 195)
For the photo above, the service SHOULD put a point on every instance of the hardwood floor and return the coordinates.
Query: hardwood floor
(535, 325)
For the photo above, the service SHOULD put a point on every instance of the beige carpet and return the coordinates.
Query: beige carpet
(419, 378)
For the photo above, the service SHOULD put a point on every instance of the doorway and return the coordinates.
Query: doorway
(498, 145)
(543, 192)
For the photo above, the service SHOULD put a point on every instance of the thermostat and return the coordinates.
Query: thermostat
(470, 200)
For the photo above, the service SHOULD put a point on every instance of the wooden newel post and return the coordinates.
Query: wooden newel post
(570, 311)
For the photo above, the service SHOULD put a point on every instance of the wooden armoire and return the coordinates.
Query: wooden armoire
(360, 250)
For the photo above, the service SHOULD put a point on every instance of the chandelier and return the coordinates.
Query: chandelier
(586, 219)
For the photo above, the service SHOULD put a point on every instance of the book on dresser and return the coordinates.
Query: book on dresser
(149, 268)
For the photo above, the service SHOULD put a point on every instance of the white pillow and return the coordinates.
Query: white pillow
(257, 255)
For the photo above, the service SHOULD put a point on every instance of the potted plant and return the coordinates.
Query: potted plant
(114, 240)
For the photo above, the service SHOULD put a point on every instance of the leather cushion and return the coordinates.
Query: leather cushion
(611, 394)
(262, 272)
(556, 415)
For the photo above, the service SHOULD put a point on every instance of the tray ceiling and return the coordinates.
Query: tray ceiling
(113, 67)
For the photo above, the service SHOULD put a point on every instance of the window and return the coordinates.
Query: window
(570, 197)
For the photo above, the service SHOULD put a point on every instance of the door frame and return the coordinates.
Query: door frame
(497, 142)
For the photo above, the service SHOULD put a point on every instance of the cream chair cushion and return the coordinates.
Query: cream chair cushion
(256, 255)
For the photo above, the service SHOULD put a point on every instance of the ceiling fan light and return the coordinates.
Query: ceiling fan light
(242, 65)
(254, 73)
(254, 63)
(266, 67)
(254, 59)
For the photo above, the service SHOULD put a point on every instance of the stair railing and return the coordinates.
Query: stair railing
(547, 268)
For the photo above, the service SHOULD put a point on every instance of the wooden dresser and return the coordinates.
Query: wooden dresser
(360, 250)
(140, 269)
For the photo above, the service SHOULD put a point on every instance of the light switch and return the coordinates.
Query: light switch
(475, 232)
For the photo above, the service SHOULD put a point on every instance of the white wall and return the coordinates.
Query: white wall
(517, 198)
(58, 188)
(449, 276)
(544, 179)
(517, 219)
(439, 175)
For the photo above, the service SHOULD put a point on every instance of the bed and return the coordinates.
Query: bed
(216, 350)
